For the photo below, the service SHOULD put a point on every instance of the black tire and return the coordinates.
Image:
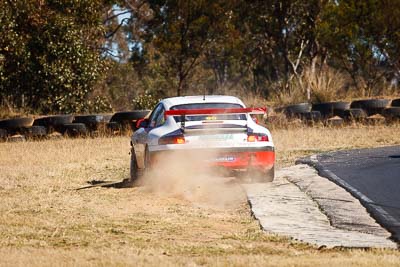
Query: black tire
(15, 124)
(392, 112)
(331, 109)
(279, 110)
(114, 126)
(355, 114)
(371, 106)
(312, 116)
(147, 161)
(54, 122)
(257, 176)
(74, 129)
(3, 134)
(135, 172)
(294, 110)
(35, 131)
(92, 122)
(395, 102)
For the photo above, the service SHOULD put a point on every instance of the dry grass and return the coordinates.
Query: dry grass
(45, 221)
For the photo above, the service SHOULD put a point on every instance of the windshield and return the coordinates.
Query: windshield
(211, 116)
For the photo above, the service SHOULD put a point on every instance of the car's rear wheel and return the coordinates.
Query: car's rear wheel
(147, 161)
(258, 176)
(135, 173)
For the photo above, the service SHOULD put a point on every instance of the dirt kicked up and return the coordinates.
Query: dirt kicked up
(185, 176)
(61, 204)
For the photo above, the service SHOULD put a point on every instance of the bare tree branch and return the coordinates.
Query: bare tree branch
(116, 15)
(108, 35)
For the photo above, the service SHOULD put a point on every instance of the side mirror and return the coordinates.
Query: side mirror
(142, 123)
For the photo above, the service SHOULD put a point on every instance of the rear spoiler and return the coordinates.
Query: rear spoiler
(214, 111)
(211, 111)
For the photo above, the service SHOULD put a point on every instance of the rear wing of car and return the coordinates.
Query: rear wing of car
(211, 111)
(214, 111)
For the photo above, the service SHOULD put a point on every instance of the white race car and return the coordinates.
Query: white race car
(220, 126)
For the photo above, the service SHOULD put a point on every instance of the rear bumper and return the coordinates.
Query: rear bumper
(231, 158)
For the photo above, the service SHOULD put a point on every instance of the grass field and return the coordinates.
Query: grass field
(54, 211)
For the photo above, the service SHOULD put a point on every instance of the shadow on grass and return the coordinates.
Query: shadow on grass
(125, 183)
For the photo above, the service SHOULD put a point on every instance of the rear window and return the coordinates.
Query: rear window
(209, 117)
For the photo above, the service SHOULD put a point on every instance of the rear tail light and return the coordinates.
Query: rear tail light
(257, 138)
(174, 139)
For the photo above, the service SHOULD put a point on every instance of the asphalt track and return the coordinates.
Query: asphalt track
(371, 175)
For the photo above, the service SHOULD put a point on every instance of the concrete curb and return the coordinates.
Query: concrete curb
(385, 219)
(309, 208)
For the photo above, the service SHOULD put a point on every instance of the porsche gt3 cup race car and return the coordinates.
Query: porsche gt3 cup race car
(220, 127)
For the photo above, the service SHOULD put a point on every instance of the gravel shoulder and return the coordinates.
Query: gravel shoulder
(309, 208)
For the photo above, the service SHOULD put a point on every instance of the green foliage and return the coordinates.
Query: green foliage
(119, 85)
(266, 46)
(145, 101)
(53, 53)
(50, 53)
(177, 38)
(363, 39)
(98, 104)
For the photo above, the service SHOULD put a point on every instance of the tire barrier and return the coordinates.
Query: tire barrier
(92, 122)
(114, 127)
(297, 109)
(371, 111)
(15, 124)
(69, 125)
(127, 119)
(359, 110)
(311, 116)
(34, 132)
(355, 114)
(331, 109)
(53, 123)
(75, 129)
(392, 113)
(371, 106)
(395, 102)
(3, 134)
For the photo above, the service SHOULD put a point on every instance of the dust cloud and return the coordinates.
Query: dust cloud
(189, 176)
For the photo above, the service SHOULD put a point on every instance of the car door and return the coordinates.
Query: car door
(143, 137)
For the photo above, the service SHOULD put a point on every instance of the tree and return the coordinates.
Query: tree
(363, 39)
(282, 40)
(50, 53)
(227, 55)
(178, 36)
